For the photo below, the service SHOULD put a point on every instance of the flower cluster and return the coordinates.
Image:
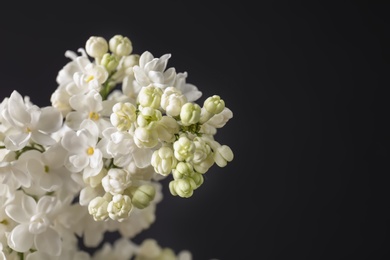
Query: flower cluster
(92, 161)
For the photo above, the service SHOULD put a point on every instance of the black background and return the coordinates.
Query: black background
(307, 84)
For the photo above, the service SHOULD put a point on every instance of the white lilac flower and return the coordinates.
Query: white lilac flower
(46, 168)
(14, 175)
(151, 70)
(74, 70)
(89, 106)
(91, 78)
(35, 224)
(29, 123)
(83, 155)
(122, 148)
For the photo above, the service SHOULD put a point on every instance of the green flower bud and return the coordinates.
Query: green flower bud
(214, 104)
(190, 113)
(110, 62)
(120, 46)
(141, 196)
(182, 187)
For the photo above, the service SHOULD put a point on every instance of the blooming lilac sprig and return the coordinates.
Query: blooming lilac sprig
(92, 161)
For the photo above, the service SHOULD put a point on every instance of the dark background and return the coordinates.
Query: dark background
(307, 84)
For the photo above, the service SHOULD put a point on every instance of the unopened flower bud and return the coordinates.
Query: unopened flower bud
(167, 128)
(182, 187)
(142, 195)
(190, 113)
(148, 117)
(172, 100)
(124, 114)
(182, 170)
(96, 46)
(214, 104)
(184, 149)
(97, 207)
(223, 155)
(120, 46)
(163, 160)
(119, 208)
(150, 96)
(116, 181)
(109, 61)
(145, 138)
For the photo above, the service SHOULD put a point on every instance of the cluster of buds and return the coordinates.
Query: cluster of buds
(118, 123)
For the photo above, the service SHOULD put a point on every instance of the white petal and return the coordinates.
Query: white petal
(17, 141)
(50, 182)
(54, 156)
(142, 157)
(170, 76)
(20, 239)
(17, 108)
(79, 161)
(73, 142)
(74, 119)
(156, 76)
(140, 76)
(17, 213)
(49, 242)
(50, 120)
(145, 58)
(42, 138)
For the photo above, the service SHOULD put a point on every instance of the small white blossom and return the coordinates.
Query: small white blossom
(120, 207)
(116, 181)
(35, 227)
